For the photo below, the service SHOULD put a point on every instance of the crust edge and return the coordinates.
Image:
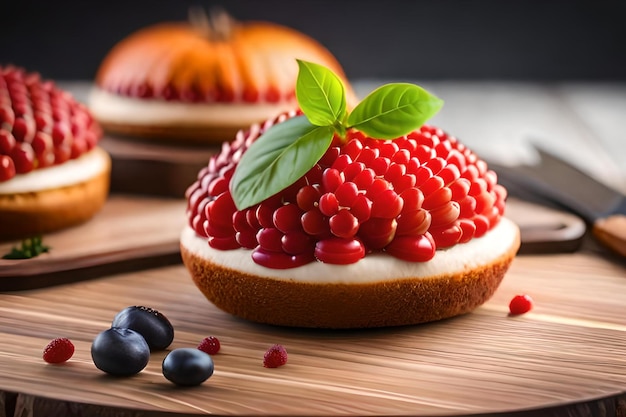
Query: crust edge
(380, 304)
(33, 213)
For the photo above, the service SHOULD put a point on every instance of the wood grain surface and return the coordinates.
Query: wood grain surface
(568, 351)
(129, 233)
(564, 358)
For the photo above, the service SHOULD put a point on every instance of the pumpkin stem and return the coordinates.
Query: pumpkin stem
(217, 25)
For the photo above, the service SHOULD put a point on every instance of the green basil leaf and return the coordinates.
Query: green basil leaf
(394, 110)
(321, 94)
(277, 159)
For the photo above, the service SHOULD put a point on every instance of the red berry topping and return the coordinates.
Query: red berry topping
(520, 304)
(406, 197)
(40, 125)
(275, 356)
(58, 350)
(210, 345)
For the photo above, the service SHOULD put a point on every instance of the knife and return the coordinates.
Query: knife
(559, 183)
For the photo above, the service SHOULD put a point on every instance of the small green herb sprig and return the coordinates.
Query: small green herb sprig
(288, 150)
(28, 248)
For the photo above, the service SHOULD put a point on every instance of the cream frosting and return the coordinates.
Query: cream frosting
(372, 268)
(108, 107)
(71, 172)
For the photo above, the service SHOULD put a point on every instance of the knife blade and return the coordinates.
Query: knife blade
(558, 183)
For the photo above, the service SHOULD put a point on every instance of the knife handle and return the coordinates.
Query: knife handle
(611, 232)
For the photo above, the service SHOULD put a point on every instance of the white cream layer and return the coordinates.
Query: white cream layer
(71, 172)
(107, 107)
(372, 268)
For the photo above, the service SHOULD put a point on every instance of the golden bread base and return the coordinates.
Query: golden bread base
(34, 213)
(376, 304)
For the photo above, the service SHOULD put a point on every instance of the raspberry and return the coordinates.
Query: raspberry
(40, 125)
(275, 356)
(58, 350)
(520, 304)
(407, 197)
(210, 345)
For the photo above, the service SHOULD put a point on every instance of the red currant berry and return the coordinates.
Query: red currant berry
(447, 236)
(339, 251)
(287, 218)
(307, 197)
(346, 194)
(414, 222)
(270, 239)
(280, 260)
(23, 157)
(361, 208)
(331, 179)
(445, 214)
(520, 304)
(221, 210)
(315, 223)
(344, 224)
(42, 144)
(7, 141)
(413, 248)
(275, 356)
(387, 204)
(377, 232)
(295, 243)
(328, 204)
(7, 168)
(210, 345)
(224, 243)
(58, 350)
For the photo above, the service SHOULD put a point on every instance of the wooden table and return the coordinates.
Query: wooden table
(564, 358)
(567, 354)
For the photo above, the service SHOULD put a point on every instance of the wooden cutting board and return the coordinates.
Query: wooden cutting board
(155, 169)
(130, 233)
(564, 358)
(138, 232)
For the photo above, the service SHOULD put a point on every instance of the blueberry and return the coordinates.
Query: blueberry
(153, 326)
(119, 351)
(187, 366)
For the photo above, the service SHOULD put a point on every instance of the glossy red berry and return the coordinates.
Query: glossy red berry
(344, 224)
(520, 304)
(340, 251)
(7, 141)
(275, 356)
(58, 350)
(210, 345)
(7, 168)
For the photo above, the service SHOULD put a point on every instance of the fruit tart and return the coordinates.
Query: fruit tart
(325, 217)
(52, 173)
(200, 82)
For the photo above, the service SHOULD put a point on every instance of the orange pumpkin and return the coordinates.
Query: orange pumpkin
(202, 81)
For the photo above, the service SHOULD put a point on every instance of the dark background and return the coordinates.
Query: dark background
(397, 39)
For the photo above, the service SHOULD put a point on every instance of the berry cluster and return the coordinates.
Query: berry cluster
(40, 125)
(407, 197)
(196, 93)
(124, 349)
